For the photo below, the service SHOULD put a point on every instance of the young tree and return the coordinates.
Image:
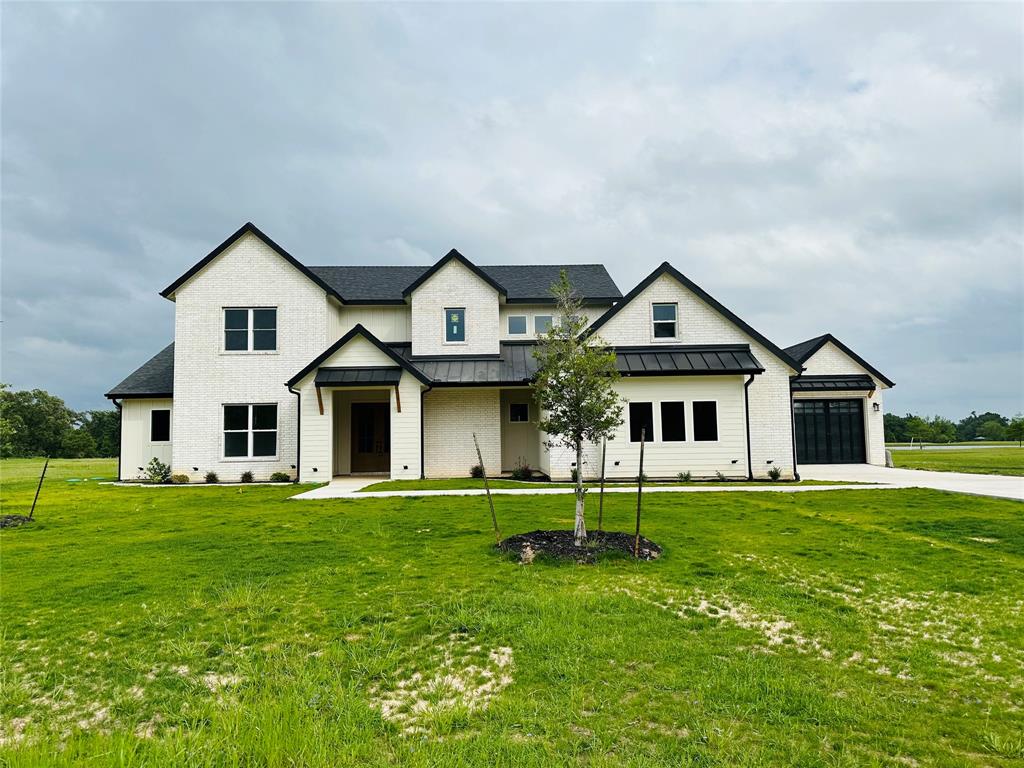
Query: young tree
(575, 387)
(992, 429)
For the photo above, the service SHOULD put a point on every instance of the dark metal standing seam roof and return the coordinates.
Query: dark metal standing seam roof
(154, 378)
(526, 283)
(358, 377)
(832, 383)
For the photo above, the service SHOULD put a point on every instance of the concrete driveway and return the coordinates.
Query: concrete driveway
(960, 482)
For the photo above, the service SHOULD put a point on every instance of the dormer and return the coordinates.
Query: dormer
(455, 309)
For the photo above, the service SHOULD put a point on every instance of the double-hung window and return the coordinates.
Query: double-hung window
(250, 329)
(517, 325)
(250, 431)
(455, 325)
(641, 420)
(663, 317)
(705, 421)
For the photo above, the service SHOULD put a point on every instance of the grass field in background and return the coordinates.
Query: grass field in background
(980, 443)
(990, 461)
(232, 626)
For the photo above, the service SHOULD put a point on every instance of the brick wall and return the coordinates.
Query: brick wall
(455, 285)
(450, 417)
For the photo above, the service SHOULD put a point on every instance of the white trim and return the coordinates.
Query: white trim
(517, 421)
(526, 325)
(250, 331)
(249, 432)
(629, 423)
(170, 427)
(686, 423)
(693, 422)
(674, 338)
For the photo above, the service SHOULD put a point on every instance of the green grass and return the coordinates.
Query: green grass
(469, 483)
(991, 461)
(233, 627)
(982, 443)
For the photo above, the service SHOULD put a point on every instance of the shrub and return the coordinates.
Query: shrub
(720, 475)
(476, 471)
(157, 471)
(280, 477)
(575, 474)
(247, 477)
(685, 477)
(774, 473)
(522, 472)
(211, 477)
(179, 479)
(642, 476)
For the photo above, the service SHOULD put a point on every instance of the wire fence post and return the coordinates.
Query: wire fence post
(39, 488)
(487, 487)
(600, 503)
(639, 492)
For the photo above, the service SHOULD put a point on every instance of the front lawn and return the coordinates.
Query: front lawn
(235, 627)
(988, 461)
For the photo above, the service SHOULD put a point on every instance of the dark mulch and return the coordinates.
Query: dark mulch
(560, 545)
(12, 521)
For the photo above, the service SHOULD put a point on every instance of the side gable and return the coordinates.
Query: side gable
(453, 255)
(369, 351)
(247, 229)
(666, 270)
(827, 355)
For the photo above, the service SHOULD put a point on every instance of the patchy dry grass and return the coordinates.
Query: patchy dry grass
(235, 627)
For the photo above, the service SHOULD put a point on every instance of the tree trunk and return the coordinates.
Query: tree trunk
(580, 531)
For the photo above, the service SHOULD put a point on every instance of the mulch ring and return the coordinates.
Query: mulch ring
(561, 546)
(12, 521)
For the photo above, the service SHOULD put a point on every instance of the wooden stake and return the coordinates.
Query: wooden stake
(39, 487)
(600, 503)
(639, 492)
(487, 487)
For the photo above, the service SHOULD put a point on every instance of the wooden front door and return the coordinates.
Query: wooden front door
(371, 437)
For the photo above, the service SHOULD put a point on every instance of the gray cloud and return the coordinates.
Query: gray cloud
(844, 168)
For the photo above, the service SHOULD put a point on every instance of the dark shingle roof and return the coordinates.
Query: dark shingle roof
(523, 283)
(154, 378)
(805, 350)
(854, 382)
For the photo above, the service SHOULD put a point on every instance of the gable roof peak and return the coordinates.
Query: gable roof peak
(805, 350)
(453, 255)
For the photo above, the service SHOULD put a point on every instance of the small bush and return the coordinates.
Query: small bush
(642, 476)
(280, 477)
(522, 472)
(575, 474)
(720, 475)
(774, 473)
(157, 471)
(211, 477)
(476, 471)
(179, 479)
(685, 477)
(247, 477)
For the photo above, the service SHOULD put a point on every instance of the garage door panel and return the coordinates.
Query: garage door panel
(829, 431)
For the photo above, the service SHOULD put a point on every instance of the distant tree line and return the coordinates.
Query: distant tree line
(36, 423)
(986, 426)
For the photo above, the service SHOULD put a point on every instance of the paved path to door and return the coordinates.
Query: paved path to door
(960, 482)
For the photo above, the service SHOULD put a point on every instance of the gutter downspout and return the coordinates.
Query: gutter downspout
(746, 414)
(120, 434)
(298, 433)
(792, 426)
(423, 447)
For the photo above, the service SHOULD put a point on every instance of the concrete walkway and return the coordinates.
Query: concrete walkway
(1001, 486)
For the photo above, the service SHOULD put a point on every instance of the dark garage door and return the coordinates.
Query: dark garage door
(829, 431)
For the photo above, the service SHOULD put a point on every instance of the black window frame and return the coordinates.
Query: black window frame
(153, 425)
(255, 330)
(634, 428)
(448, 326)
(514, 406)
(672, 420)
(699, 424)
(251, 431)
(655, 323)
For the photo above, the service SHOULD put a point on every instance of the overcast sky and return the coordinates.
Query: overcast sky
(848, 168)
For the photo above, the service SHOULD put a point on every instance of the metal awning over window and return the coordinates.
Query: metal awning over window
(377, 376)
(686, 360)
(853, 382)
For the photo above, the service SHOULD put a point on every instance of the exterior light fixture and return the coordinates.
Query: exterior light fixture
(876, 407)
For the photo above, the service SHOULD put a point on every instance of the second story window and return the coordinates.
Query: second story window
(516, 325)
(250, 329)
(664, 316)
(455, 324)
(541, 324)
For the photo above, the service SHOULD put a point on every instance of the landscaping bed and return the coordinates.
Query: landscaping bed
(561, 545)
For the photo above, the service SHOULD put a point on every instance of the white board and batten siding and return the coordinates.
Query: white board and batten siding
(832, 361)
(317, 462)
(137, 449)
(387, 323)
(698, 323)
(248, 273)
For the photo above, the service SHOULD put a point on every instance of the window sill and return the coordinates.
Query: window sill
(244, 352)
(240, 459)
(454, 343)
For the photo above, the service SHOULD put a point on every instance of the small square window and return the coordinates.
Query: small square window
(516, 325)
(160, 426)
(664, 319)
(455, 324)
(518, 412)
(641, 419)
(542, 324)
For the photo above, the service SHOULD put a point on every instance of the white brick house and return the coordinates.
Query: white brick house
(279, 367)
